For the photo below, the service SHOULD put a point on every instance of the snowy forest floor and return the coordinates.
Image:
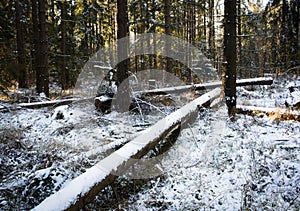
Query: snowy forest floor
(252, 163)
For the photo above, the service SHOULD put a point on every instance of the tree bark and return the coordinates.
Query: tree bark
(40, 46)
(36, 43)
(22, 75)
(123, 57)
(211, 35)
(229, 75)
(239, 32)
(43, 63)
(167, 6)
(284, 35)
(64, 70)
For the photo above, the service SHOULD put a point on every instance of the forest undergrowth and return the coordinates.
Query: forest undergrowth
(251, 164)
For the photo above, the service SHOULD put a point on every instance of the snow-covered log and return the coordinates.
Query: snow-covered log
(51, 103)
(211, 85)
(273, 113)
(82, 189)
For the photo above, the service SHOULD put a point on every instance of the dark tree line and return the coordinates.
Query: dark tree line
(45, 43)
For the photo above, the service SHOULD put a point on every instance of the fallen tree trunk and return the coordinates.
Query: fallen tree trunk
(47, 103)
(273, 113)
(211, 85)
(83, 189)
(103, 103)
(52, 103)
(178, 89)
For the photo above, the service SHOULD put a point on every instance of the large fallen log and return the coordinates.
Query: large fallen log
(211, 85)
(83, 189)
(273, 113)
(103, 103)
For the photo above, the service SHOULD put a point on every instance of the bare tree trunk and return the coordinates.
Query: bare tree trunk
(154, 57)
(42, 64)
(64, 73)
(211, 35)
(22, 75)
(123, 60)
(229, 75)
(167, 5)
(36, 43)
(239, 32)
(122, 19)
(283, 35)
(204, 29)
(40, 46)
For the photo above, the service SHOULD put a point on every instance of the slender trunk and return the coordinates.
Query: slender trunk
(211, 30)
(297, 27)
(283, 35)
(43, 46)
(167, 5)
(204, 30)
(36, 43)
(64, 73)
(154, 57)
(239, 32)
(85, 41)
(22, 75)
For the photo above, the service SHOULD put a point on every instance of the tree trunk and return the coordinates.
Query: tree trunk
(284, 35)
(122, 19)
(211, 35)
(229, 75)
(123, 60)
(22, 75)
(40, 46)
(154, 57)
(295, 45)
(204, 30)
(42, 64)
(64, 70)
(239, 31)
(167, 5)
(36, 43)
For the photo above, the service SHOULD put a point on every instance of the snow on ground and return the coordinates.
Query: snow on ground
(252, 163)
(43, 149)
